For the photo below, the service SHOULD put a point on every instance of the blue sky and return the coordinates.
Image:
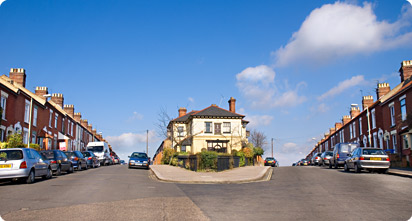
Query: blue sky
(293, 66)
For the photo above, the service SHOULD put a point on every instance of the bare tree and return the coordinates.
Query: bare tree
(258, 138)
(163, 120)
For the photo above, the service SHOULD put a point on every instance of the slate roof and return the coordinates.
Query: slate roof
(211, 111)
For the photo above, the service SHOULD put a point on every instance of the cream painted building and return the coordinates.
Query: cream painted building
(213, 129)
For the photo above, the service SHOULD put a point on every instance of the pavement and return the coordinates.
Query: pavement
(406, 172)
(246, 174)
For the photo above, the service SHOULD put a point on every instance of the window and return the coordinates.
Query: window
(350, 131)
(180, 131)
(35, 116)
(183, 148)
(218, 128)
(360, 126)
(3, 101)
(26, 111)
(403, 109)
(226, 127)
(56, 117)
(50, 118)
(71, 129)
(2, 135)
(373, 119)
(375, 140)
(33, 137)
(63, 128)
(25, 136)
(392, 110)
(354, 129)
(208, 126)
(394, 147)
(406, 142)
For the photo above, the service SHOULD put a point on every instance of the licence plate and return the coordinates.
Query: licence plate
(375, 158)
(138, 164)
(5, 165)
(270, 161)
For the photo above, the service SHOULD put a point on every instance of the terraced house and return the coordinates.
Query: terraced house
(40, 120)
(213, 129)
(383, 123)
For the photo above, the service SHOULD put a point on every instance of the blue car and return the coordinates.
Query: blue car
(139, 160)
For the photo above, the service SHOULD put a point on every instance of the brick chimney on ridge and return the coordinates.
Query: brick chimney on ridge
(232, 105)
(346, 119)
(77, 117)
(58, 99)
(338, 126)
(367, 101)
(354, 112)
(69, 108)
(182, 111)
(18, 75)
(382, 90)
(405, 70)
(40, 91)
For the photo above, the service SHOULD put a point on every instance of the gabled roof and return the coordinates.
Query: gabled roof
(211, 111)
(16, 87)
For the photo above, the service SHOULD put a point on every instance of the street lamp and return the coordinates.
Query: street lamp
(31, 116)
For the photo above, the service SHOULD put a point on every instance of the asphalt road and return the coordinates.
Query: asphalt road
(293, 193)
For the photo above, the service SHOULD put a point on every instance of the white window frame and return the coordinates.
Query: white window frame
(25, 135)
(403, 110)
(26, 111)
(51, 118)
(375, 139)
(3, 101)
(350, 131)
(35, 116)
(392, 114)
(373, 118)
(227, 127)
(56, 118)
(180, 131)
(360, 126)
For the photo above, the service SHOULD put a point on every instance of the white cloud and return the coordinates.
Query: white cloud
(342, 86)
(135, 116)
(2, 1)
(343, 29)
(192, 100)
(258, 120)
(127, 143)
(257, 84)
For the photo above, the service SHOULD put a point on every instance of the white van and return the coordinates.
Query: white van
(101, 150)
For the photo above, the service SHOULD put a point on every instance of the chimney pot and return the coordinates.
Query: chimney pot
(232, 105)
(182, 111)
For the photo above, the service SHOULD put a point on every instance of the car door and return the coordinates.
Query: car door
(39, 164)
(354, 156)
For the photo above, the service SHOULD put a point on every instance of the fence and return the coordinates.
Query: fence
(223, 162)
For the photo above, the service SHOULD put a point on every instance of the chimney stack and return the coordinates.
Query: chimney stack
(405, 70)
(354, 112)
(332, 130)
(40, 91)
(78, 117)
(69, 108)
(90, 127)
(367, 101)
(382, 90)
(58, 99)
(345, 119)
(94, 132)
(182, 111)
(338, 126)
(232, 105)
(84, 123)
(18, 75)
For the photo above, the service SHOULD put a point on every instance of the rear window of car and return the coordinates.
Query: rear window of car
(345, 148)
(11, 155)
(86, 154)
(373, 152)
(96, 149)
(139, 155)
(270, 158)
(69, 154)
(329, 153)
(48, 154)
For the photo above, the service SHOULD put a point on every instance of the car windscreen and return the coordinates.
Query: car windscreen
(11, 155)
(86, 154)
(329, 153)
(95, 149)
(373, 152)
(47, 154)
(139, 155)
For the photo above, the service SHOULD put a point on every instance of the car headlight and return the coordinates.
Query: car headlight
(131, 161)
(144, 161)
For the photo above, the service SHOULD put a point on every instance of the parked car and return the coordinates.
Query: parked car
(24, 164)
(116, 160)
(122, 162)
(303, 162)
(77, 159)
(293, 164)
(91, 159)
(270, 161)
(325, 157)
(340, 153)
(371, 159)
(139, 160)
(58, 161)
(101, 150)
(315, 159)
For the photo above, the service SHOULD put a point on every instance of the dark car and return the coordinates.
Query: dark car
(91, 159)
(340, 154)
(139, 160)
(77, 159)
(368, 158)
(58, 161)
(270, 161)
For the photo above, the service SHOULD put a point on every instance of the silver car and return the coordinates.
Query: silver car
(24, 164)
(371, 159)
(325, 158)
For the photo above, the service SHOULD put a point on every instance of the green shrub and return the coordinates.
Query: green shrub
(174, 161)
(35, 146)
(258, 151)
(167, 155)
(15, 140)
(183, 153)
(242, 158)
(208, 160)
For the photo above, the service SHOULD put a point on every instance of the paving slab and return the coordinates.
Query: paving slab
(174, 174)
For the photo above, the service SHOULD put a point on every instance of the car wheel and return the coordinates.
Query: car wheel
(59, 171)
(79, 167)
(336, 165)
(385, 171)
(345, 168)
(30, 179)
(357, 169)
(71, 168)
(330, 165)
(86, 167)
(48, 175)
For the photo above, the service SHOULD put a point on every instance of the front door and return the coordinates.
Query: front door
(218, 127)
